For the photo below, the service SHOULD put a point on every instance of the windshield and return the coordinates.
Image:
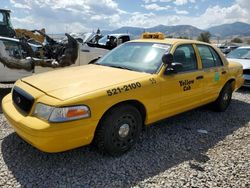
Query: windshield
(240, 53)
(103, 40)
(136, 56)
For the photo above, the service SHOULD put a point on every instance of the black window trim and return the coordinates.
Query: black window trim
(212, 50)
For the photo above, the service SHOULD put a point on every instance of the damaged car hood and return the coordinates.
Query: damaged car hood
(70, 82)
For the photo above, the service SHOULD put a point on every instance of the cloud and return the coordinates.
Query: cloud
(213, 15)
(57, 16)
(181, 11)
(156, 7)
(177, 2)
(154, 1)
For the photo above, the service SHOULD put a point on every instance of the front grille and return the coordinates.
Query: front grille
(22, 100)
(247, 82)
(246, 71)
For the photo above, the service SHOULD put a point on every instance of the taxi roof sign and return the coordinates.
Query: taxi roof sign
(156, 35)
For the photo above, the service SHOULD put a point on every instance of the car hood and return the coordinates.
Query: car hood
(70, 82)
(244, 62)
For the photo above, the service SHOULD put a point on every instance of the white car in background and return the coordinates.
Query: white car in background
(242, 56)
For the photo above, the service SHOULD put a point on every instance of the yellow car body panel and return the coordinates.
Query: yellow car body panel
(100, 88)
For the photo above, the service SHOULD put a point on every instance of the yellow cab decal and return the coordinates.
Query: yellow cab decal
(186, 84)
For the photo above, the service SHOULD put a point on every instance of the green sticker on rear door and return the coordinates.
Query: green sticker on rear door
(216, 77)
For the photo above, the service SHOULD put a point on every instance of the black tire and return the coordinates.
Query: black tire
(224, 99)
(119, 130)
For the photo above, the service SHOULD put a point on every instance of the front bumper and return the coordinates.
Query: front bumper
(48, 137)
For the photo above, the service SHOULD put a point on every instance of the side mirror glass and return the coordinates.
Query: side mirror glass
(167, 59)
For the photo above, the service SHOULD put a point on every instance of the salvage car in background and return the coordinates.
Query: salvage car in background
(242, 56)
(90, 52)
(108, 102)
(20, 58)
(14, 48)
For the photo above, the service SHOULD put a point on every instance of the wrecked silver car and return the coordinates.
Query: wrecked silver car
(18, 57)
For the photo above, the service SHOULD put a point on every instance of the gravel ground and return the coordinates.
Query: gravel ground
(173, 153)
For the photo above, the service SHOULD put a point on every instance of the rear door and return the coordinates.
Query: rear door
(215, 74)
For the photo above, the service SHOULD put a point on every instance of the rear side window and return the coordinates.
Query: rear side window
(185, 55)
(209, 56)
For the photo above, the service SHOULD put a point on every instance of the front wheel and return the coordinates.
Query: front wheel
(224, 99)
(118, 130)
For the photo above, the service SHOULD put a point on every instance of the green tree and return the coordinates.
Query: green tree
(169, 36)
(236, 40)
(204, 37)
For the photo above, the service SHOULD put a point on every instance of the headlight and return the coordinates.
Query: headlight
(43, 111)
(61, 114)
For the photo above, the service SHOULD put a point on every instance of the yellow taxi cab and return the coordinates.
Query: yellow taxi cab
(109, 102)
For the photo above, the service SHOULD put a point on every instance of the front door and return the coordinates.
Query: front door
(183, 90)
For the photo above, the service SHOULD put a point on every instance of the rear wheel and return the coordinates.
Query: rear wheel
(118, 130)
(224, 99)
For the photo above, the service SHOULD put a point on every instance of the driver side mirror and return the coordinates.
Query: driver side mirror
(168, 59)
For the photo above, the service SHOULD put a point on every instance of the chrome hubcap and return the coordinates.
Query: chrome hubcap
(124, 130)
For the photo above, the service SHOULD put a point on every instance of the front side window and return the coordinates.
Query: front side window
(136, 56)
(185, 55)
(208, 56)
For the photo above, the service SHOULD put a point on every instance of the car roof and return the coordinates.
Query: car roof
(119, 34)
(170, 41)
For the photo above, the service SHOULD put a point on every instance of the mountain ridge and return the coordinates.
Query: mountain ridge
(239, 29)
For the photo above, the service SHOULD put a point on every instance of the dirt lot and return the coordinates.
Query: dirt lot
(173, 153)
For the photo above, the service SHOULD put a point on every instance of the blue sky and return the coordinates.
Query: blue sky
(59, 16)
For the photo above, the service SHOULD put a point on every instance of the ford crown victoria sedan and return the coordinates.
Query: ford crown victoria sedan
(109, 102)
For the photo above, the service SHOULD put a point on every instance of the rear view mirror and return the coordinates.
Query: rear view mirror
(167, 59)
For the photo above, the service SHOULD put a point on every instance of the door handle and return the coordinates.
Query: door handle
(223, 72)
(199, 77)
